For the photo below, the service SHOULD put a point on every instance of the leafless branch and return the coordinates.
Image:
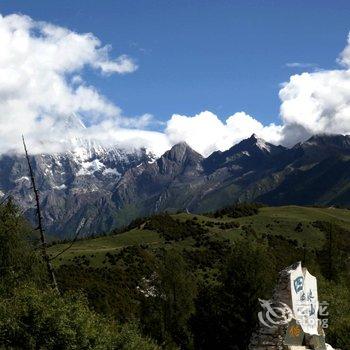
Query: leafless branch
(40, 224)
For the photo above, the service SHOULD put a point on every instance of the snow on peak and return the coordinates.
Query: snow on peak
(88, 168)
(263, 145)
(59, 187)
(23, 178)
(110, 171)
(85, 149)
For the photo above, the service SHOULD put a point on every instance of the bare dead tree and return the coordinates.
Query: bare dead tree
(40, 228)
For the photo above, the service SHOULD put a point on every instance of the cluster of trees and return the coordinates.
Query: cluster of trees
(35, 316)
(197, 296)
(238, 210)
(174, 229)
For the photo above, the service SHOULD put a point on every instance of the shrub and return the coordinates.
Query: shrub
(337, 295)
(238, 210)
(41, 319)
(172, 229)
(19, 262)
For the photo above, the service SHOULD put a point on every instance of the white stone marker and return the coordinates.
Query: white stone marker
(304, 299)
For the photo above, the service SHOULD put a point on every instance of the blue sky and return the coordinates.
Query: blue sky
(222, 56)
(209, 73)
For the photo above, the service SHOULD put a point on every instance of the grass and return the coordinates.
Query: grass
(98, 247)
(270, 220)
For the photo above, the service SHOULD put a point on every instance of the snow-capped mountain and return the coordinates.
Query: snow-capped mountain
(98, 188)
(75, 185)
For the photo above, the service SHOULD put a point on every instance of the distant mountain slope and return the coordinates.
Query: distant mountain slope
(326, 183)
(182, 179)
(252, 153)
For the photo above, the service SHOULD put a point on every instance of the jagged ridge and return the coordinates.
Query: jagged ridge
(101, 187)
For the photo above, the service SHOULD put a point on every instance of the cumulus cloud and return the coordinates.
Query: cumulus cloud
(42, 86)
(206, 133)
(107, 134)
(317, 102)
(41, 83)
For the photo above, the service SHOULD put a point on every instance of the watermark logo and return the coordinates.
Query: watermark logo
(278, 313)
(274, 314)
(323, 313)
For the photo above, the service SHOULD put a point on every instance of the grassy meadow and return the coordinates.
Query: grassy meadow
(292, 222)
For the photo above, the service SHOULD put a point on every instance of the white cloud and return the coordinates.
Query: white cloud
(317, 102)
(109, 135)
(41, 67)
(311, 103)
(206, 133)
(344, 57)
(123, 64)
(42, 83)
(140, 122)
(300, 65)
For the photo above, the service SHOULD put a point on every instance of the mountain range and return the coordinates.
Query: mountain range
(94, 189)
(312, 172)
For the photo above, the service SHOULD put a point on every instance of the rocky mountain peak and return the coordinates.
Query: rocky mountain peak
(328, 140)
(253, 137)
(255, 142)
(182, 152)
(321, 146)
(248, 153)
(249, 147)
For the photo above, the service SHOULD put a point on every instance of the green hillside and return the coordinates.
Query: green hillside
(292, 222)
(194, 281)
